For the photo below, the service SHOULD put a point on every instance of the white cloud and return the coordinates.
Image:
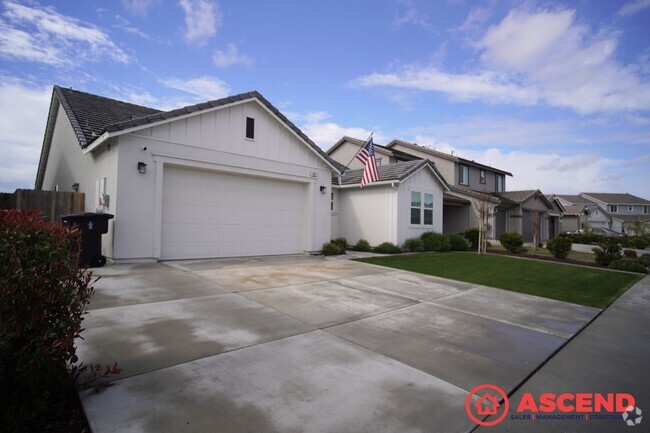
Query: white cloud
(533, 57)
(40, 34)
(485, 85)
(523, 40)
(551, 172)
(477, 16)
(632, 7)
(410, 16)
(23, 113)
(125, 25)
(230, 56)
(203, 88)
(138, 7)
(318, 126)
(202, 19)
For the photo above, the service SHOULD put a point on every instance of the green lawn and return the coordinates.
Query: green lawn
(579, 285)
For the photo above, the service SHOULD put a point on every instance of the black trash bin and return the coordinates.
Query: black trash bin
(92, 226)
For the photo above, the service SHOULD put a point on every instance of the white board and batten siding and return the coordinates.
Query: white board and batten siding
(425, 182)
(368, 213)
(211, 192)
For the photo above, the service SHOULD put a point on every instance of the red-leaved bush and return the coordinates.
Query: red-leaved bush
(43, 295)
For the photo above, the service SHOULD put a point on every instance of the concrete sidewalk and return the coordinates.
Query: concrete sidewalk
(307, 344)
(611, 355)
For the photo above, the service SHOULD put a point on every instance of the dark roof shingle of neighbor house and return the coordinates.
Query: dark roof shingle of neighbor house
(93, 115)
(575, 199)
(396, 172)
(616, 198)
(516, 196)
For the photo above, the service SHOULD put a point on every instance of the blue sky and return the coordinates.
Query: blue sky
(558, 93)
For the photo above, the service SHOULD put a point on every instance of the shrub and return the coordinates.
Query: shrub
(512, 241)
(387, 248)
(457, 242)
(413, 245)
(636, 242)
(629, 254)
(645, 260)
(586, 238)
(609, 251)
(43, 295)
(331, 249)
(472, 237)
(629, 265)
(559, 247)
(362, 245)
(435, 242)
(342, 243)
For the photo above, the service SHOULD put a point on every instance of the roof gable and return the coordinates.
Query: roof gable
(96, 118)
(522, 196)
(357, 142)
(394, 172)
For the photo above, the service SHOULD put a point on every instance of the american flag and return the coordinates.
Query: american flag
(367, 156)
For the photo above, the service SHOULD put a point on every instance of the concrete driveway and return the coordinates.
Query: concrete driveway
(306, 344)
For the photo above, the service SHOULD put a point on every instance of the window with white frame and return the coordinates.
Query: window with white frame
(646, 210)
(463, 175)
(630, 208)
(250, 128)
(421, 208)
(613, 208)
(482, 176)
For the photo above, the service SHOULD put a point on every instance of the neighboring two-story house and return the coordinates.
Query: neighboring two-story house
(627, 211)
(472, 186)
(581, 213)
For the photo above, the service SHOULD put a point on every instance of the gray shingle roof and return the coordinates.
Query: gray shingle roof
(615, 198)
(574, 199)
(516, 196)
(397, 172)
(90, 115)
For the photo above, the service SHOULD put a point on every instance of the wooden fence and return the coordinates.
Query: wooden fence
(52, 204)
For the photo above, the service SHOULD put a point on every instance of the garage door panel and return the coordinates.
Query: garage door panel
(208, 214)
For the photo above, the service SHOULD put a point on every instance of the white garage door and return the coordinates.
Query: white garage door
(207, 214)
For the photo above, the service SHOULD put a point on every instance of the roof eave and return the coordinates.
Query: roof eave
(47, 141)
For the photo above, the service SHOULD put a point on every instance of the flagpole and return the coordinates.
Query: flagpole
(355, 155)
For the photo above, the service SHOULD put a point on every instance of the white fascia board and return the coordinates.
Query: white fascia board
(380, 183)
(95, 144)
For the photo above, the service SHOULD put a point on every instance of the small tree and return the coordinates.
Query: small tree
(483, 211)
(536, 220)
(639, 228)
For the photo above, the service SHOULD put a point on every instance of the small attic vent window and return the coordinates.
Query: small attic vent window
(250, 128)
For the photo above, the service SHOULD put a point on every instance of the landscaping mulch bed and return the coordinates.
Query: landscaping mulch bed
(69, 418)
(530, 255)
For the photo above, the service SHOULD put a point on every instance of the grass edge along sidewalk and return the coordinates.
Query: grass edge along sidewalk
(576, 284)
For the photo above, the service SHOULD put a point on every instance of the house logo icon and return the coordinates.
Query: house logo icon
(487, 405)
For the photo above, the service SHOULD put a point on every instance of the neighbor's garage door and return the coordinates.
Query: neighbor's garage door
(207, 214)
